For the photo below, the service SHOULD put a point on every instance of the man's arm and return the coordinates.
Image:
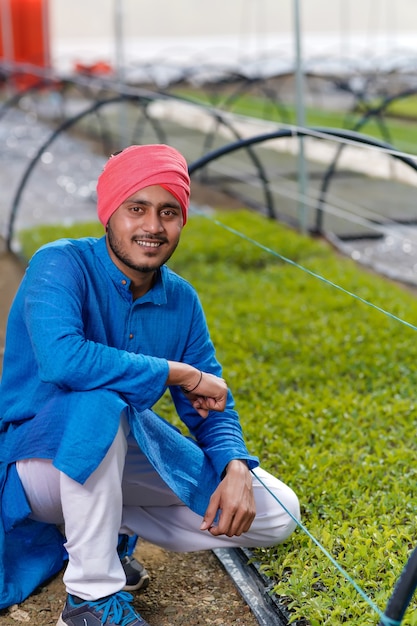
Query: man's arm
(220, 437)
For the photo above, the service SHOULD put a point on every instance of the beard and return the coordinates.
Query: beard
(123, 256)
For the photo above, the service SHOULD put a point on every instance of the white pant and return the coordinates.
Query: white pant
(126, 495)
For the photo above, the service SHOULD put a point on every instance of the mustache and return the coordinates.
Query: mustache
(155, 238)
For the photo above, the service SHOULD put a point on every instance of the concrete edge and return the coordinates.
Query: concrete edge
(252, 586)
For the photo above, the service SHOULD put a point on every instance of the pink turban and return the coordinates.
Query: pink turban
(137, 167)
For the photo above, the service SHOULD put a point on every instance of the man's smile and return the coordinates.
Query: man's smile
(148, 244)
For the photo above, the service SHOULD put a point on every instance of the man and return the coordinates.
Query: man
(97, 332)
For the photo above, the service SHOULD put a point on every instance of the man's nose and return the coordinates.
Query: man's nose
(152, 222)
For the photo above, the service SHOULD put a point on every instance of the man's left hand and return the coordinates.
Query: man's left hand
(235, 500)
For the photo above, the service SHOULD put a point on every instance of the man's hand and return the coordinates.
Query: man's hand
(205, 391)
(235, 500)
(210, 394)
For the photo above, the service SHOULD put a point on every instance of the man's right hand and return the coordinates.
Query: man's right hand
(205, 391)
(209, 395)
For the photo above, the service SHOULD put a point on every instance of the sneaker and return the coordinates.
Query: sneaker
(115, 610)
(136, 575)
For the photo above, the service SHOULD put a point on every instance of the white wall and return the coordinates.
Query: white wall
(85, 28)
(177, 18)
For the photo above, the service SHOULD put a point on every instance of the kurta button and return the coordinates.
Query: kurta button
(131, 336)
(124, 282)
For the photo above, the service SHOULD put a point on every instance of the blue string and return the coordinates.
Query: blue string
(388, 621)
(304, 269)
(329, 556)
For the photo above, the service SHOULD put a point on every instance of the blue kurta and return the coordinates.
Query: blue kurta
(79, 351)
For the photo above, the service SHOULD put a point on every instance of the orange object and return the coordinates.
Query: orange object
(24, 36)
(94, 69)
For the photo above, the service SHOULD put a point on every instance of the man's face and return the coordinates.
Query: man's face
(144, 231)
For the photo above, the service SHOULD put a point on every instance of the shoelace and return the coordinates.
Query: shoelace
(117, 609)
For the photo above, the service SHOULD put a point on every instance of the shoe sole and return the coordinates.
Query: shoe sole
(142, 584)
(61, 622)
